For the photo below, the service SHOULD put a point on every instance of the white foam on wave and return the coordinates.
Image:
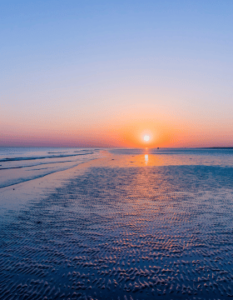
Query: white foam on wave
(17, 164)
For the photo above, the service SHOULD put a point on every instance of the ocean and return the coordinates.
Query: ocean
(116, 223)
(22, 164)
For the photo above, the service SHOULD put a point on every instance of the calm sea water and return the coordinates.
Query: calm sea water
(22, 164)
(138, 225)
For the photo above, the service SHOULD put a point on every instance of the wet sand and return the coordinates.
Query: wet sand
(120, 227)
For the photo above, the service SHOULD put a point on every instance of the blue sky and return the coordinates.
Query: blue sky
(74, 66)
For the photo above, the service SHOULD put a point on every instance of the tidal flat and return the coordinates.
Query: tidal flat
(122, 224)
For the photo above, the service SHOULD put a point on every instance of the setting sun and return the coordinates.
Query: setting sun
(146, 138)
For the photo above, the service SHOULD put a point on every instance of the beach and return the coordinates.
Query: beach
(117, 224)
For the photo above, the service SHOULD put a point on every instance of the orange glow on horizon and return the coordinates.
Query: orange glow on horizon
(124, 131)
(148, 133)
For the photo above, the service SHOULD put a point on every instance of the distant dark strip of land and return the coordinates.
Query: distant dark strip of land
(217, 148)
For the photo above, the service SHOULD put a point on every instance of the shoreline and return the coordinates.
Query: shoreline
(19, 194)
(117, 226)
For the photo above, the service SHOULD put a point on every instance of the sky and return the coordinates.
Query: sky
(107, 73)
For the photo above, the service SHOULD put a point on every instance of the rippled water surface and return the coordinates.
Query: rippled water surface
(23, 164)
(134, 225)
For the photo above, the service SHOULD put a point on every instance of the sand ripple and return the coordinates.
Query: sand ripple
(124, 233)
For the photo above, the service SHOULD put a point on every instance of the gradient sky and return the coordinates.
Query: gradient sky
(103, 73)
